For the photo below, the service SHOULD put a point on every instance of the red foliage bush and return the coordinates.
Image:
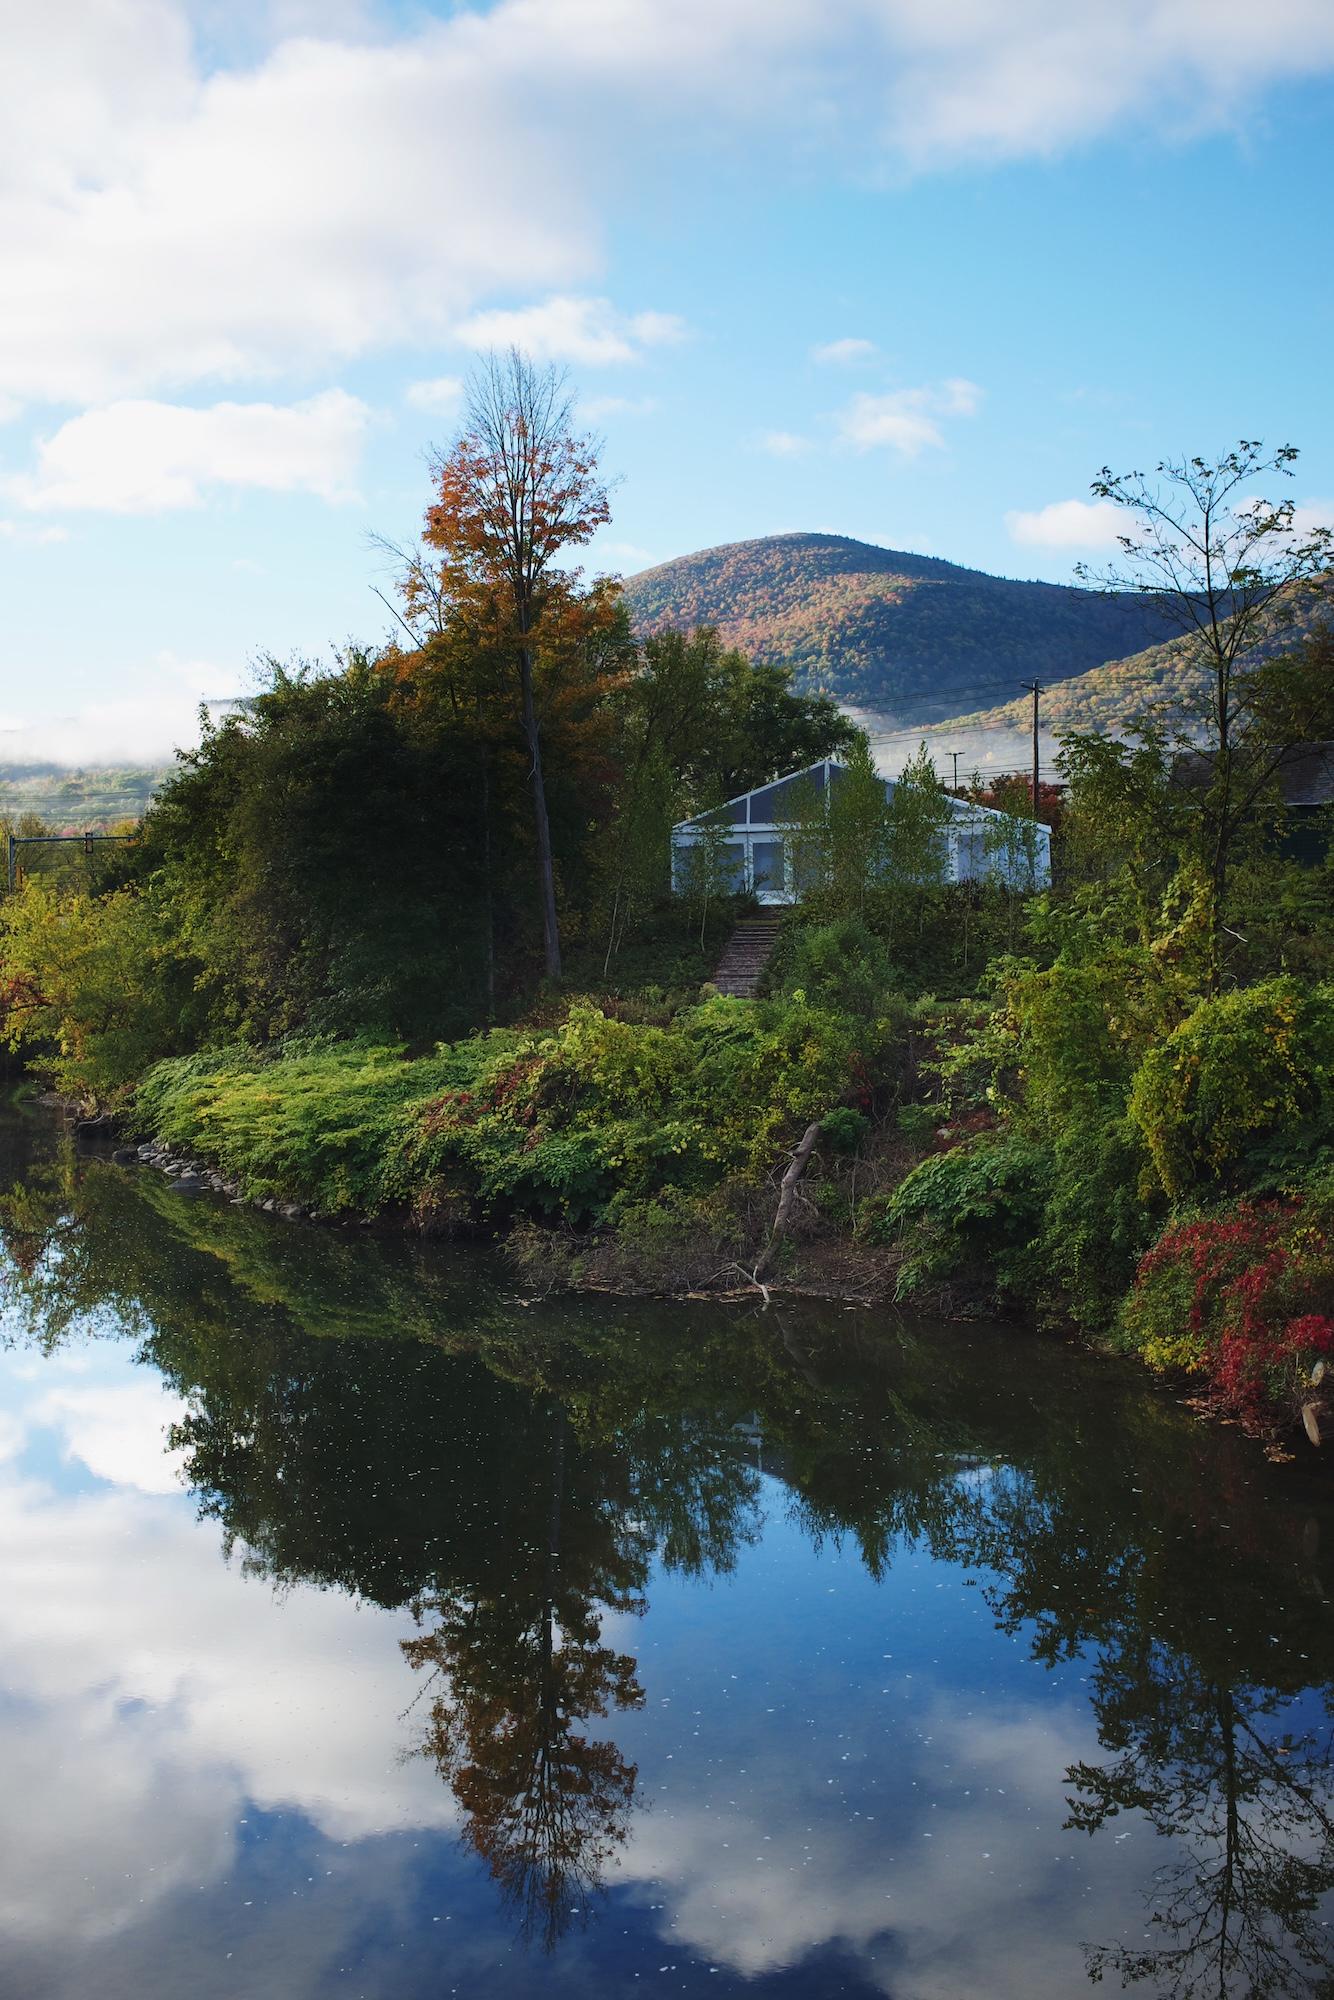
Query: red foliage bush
(1241, 1298)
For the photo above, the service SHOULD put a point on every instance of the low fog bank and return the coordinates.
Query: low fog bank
(987, 752)
(143, 733)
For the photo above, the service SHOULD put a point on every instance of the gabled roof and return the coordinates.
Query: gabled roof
(822, 773)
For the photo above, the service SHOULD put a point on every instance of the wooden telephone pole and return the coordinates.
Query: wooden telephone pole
(1035, 689)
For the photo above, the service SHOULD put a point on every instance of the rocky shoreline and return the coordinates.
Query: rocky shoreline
(200, 1179)
(194, 1176)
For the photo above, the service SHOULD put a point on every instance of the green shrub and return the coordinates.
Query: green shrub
(588, 1120)
(318, 1122)
(1095, 1224)
(1245, 1084)
(594, 1116)
(95, 988)
(842, 966)
(974, 1212)
(844, 1129)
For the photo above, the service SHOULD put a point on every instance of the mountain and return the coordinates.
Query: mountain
(1165, 679)
(886, 631)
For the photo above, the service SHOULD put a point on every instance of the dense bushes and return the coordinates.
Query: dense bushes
(100, 983)
(972, 1213)
(1244, 1299)
(1246, 1084)
(592, 1120)
(842, 966)
(315, 1122)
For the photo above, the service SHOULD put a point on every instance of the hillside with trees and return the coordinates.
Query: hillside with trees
(884, 630)
(1170, 679)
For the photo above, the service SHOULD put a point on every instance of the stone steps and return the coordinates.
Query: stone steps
(745, 956)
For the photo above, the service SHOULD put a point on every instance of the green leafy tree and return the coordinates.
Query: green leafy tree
(98, 988)
(1223, 563)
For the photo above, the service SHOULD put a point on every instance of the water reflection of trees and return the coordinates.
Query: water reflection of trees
(1242, 1783)
(1208, 1699)
(514, 1677)
(374, 1419)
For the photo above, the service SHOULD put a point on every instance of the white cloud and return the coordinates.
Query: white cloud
(589, 331)
(1037, 77)
(140, 729)
(333, 184)
(118, 1431)
(783, 444)
(143, 457)
(1309, 515)
(907, 420)
(244, 1685)
(838, 353)
(441, 395)
(163, 226)
(740, 1880)
(622, 555)
(1068, 524)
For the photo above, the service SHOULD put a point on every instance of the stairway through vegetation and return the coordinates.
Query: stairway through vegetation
(746, 954)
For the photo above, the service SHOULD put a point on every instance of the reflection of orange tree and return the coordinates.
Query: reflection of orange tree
(546, 1805)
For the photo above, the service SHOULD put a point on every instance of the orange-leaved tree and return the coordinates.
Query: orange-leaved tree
(516, 488)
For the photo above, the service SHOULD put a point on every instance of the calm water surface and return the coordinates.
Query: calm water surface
(368, 1627)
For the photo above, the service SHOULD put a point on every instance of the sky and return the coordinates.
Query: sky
(908, 270)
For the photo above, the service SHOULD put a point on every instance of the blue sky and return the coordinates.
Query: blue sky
(903, 271)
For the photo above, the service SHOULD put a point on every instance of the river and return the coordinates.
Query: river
(372, 1627)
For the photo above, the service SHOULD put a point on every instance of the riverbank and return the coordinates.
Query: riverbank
(629, 1156)
(649, 1157)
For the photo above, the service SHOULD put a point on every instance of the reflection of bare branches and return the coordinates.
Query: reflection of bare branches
(1241, 1907)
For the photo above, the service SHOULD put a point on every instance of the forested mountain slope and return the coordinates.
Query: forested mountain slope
(1166, 680)
(884, 630)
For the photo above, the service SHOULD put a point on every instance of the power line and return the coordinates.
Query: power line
(1051, 687)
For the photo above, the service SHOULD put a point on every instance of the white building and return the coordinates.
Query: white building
(980, 843)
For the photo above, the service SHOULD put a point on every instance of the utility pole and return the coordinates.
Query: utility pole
(956, 754)
(1035, 689)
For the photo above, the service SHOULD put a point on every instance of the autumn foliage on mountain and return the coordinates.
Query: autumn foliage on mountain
(885, 630)
(1167, 678)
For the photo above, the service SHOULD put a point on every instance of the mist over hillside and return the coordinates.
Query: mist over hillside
(88, 800)
(1166, 682)
(909, 636)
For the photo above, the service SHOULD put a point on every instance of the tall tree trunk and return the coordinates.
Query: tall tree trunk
(489, 898)
(1221, 800)
(545, 868)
